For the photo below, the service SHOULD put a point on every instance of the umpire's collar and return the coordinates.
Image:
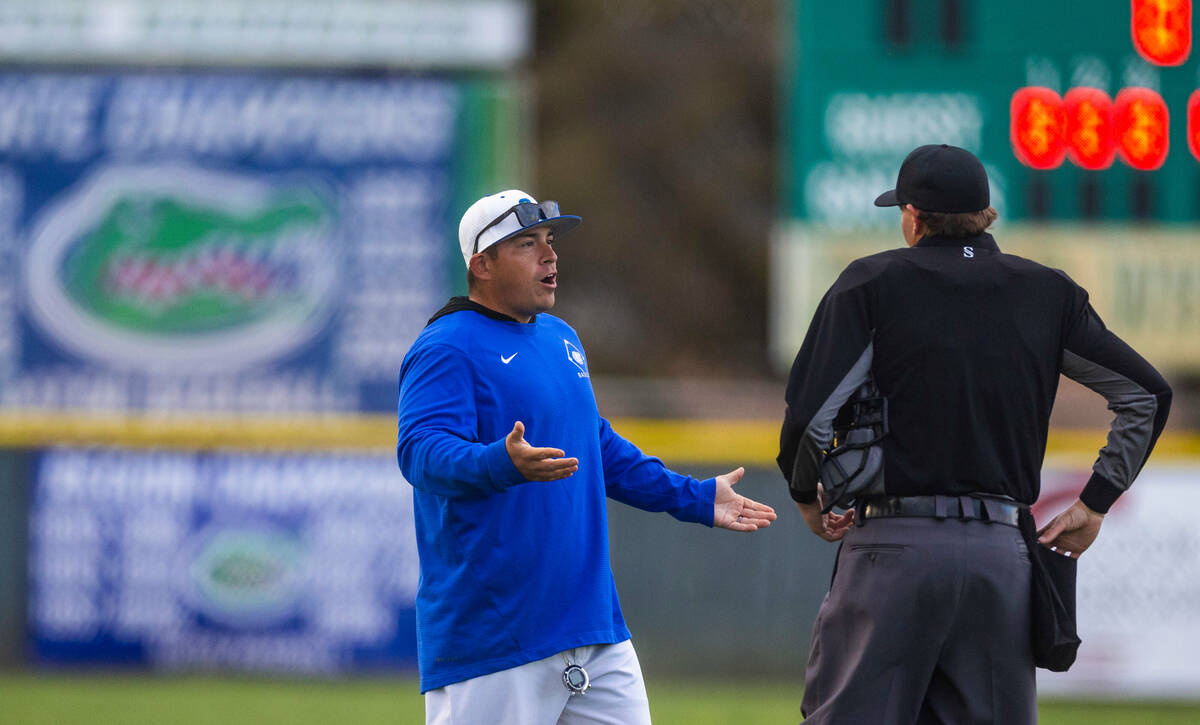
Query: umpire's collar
(979, 241)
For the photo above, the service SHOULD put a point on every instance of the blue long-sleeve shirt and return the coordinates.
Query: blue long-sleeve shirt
(514, 571)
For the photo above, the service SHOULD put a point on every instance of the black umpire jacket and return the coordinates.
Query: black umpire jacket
(967, 344)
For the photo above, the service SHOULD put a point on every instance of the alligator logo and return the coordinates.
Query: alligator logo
(243, 575)
(182, 270)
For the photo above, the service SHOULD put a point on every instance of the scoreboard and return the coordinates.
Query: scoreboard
(869, 80)
(1085, 114)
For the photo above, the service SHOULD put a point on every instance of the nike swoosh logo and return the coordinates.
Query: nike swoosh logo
(507, 360)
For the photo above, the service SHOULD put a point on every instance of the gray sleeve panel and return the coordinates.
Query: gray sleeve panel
(1132, 430)
(806, 470)
(820, 428)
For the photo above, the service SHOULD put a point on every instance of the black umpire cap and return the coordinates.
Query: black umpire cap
(940, 178)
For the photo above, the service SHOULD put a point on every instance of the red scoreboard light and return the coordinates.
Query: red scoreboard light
(1162, 30)
(1038, 127)
(1090, 143)
(1141, 122)
(1193, 127)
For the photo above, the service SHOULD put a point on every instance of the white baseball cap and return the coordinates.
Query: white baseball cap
(497, 217)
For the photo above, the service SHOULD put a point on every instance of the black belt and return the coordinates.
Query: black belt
(941, 507)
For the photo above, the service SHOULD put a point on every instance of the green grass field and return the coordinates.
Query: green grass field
(140, 700)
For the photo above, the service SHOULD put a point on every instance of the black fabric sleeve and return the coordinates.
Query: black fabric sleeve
(833, 361)
(1135, 391)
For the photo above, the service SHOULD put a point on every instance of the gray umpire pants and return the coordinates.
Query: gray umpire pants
(926, 621)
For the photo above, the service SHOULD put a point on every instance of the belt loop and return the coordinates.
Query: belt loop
(965, 509)
(991, 510)
(860, 510)
(940, 506)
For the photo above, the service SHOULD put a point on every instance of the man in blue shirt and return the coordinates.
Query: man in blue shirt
(510, 464)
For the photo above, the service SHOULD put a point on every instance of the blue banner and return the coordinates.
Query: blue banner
(279, 563)
(232, 242)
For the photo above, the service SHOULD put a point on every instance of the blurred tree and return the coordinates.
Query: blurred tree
(656, 121)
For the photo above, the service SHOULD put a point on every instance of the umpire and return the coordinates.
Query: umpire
(928, 616)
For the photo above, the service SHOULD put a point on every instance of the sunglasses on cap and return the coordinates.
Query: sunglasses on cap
(527, 213)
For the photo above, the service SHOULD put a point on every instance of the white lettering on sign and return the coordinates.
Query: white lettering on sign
(1041, 71)
(1137, 73)
(1090, 71)
(858, 124)
(841, 194)
(283, 391)
(105, 477)
(338, 121)
(135, 546)
(48, 115)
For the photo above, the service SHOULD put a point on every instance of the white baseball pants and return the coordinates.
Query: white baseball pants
(534, 694)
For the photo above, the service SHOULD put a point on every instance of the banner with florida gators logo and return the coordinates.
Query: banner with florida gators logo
(219, 242)
(278, 563)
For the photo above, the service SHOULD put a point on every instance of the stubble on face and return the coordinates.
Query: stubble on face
(525, 275)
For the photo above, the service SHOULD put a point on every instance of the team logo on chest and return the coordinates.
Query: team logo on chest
(575, 355)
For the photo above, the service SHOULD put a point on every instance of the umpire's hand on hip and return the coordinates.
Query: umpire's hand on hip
(537, 464)
(830, 526)
(1073, 531)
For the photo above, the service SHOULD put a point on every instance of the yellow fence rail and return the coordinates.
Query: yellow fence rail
(738, 442)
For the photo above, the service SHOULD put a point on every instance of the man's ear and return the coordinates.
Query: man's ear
(479, 266)
(917, 224)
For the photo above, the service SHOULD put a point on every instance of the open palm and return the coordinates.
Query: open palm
(736, 512)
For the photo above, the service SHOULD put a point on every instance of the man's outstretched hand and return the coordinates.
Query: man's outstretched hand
(735, 512)
(1073, 531)
(537, 464)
